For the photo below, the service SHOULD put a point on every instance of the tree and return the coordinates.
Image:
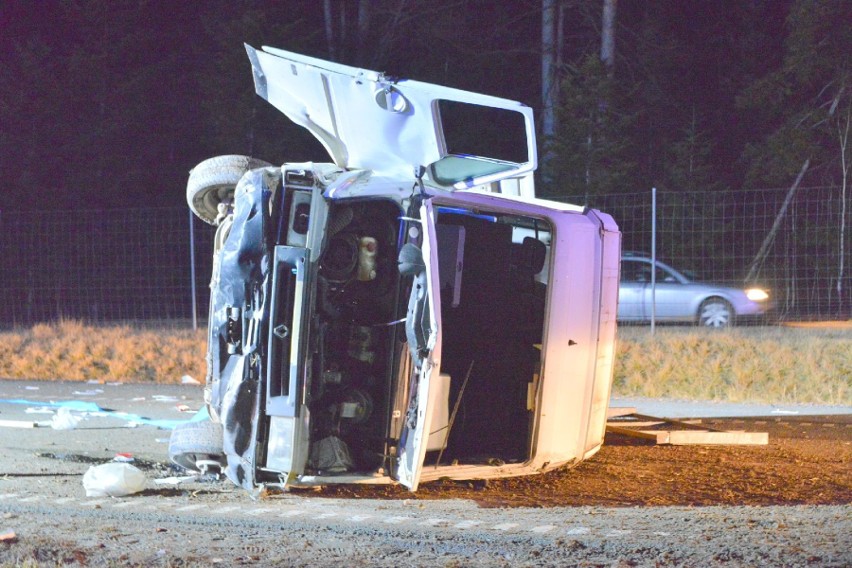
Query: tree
(807, 103)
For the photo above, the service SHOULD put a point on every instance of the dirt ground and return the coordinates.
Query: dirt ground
(808, 461)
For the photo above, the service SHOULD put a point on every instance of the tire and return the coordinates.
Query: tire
(716, 312)
(194, 442)
(214, 180)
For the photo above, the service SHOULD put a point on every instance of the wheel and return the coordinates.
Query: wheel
(214, 180)
(196, 446)
(715, 312)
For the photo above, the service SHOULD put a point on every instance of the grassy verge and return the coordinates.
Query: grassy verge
(775, 365)
(760, 364)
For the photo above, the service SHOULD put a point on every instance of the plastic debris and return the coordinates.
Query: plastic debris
(8, 536)
(91, 392)
(187, 380)
(175, 480)
(113, 480)
(183, 408)
(64, 420)
(31, 388)
(123, 458)
(39, 410)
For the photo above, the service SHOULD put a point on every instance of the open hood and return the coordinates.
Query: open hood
(399, 128)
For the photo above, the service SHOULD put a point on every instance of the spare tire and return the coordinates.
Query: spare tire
(213, 181)
(194, 443)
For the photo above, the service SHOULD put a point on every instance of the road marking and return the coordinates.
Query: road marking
(30, 499)
(191, 507)
(64, 500)
(397, 519)
(122, 504)
(359, 518)
(326, 515)
(259, 511)
(578, 530)
(7, 496)
(618, 532)
(504, 526)
(467, 524)
(291, 513)
(228, 509)
(541, 529)
(433, 522)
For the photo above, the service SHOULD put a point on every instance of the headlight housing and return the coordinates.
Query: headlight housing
(756, 295)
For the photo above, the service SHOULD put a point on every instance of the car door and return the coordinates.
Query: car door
(669, 297)
(635, 277)
(423, 325)
(399, 129)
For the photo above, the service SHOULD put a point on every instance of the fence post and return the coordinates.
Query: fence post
(192, 271)
(653, 259)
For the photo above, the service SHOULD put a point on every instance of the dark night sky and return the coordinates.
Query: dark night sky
(113, 102)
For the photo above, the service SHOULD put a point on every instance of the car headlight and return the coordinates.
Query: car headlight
(756, 295)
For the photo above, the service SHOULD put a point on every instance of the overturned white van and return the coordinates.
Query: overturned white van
(408, 312)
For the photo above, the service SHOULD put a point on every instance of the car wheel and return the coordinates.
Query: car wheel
(715, 312)
(214, 180)
(197, 446)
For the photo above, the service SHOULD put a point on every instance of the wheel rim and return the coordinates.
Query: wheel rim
(715, 314)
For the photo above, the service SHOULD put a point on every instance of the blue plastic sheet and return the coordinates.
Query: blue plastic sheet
(84, 406)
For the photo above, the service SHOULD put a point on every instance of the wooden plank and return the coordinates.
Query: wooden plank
(616, 411)
(681, 432)
(685, 438)
(17, 424)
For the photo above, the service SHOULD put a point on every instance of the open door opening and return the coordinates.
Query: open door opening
(493, 275)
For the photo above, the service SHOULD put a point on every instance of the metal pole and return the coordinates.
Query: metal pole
(653, 259)
(192, 271)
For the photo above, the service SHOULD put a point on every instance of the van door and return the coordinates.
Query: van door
(423, 325)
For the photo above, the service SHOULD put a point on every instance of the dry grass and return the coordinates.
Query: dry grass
(772, 365)
(71, 350)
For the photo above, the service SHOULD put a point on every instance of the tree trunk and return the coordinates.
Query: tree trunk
(770, 237)
(329, 29)
(608, 34)
(549, 83)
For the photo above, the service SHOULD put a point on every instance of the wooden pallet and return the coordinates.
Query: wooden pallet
(627, 422)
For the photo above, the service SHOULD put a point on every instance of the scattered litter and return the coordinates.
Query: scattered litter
(123, 458)
(187, 380)
(31, 388)
(92, 408)
(138, 398)
(183, 408)
(64, 420)
(133, 424)
(175, 480)
(91, 392)
(164, 398)
(113, 480)
(93, 382)
(17, 424)
(39, 410)
(779, 411)
(8, 536)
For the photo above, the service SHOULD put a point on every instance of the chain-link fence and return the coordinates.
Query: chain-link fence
(136, 266)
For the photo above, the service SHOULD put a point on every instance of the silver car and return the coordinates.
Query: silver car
(677, 298)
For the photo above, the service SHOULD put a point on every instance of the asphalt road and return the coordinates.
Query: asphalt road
(48, 519)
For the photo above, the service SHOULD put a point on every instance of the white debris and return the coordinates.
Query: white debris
(64, 420)
(113, 480)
